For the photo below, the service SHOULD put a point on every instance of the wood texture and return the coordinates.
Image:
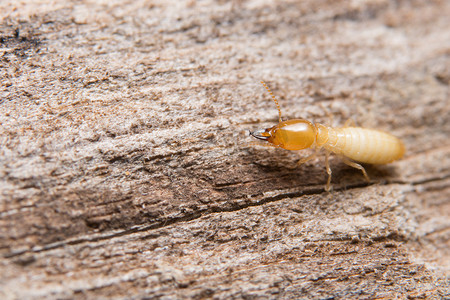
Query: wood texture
(125, 169)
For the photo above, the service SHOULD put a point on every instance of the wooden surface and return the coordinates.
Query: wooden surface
(125, 169)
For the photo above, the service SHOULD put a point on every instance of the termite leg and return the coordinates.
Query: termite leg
(251, 144)
(307, 158)
(327, 166)
(357, 166)
(349, 123)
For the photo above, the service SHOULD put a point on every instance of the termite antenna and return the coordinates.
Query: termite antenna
(274, 99)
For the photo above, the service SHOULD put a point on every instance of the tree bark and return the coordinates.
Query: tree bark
(126, 169)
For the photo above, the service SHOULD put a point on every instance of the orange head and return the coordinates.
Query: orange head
(291, 134)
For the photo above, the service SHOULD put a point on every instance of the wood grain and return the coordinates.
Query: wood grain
(125, 169)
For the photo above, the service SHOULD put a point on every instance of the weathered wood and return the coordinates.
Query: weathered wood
(125, 170)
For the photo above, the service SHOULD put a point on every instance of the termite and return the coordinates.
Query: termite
(353, 144)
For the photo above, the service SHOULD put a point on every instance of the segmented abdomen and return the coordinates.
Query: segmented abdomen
(365, 145)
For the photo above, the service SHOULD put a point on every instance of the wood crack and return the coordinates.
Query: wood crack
(185, 218)
(201, 213)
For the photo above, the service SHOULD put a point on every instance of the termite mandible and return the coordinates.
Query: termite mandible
(352, 144)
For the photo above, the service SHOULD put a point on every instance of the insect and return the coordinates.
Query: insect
(352, 144)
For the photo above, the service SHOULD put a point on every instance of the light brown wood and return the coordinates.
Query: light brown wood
(125, 170)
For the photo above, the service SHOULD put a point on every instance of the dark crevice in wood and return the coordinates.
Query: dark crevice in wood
(202, 213)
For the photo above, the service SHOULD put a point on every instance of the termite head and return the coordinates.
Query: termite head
(291, 134)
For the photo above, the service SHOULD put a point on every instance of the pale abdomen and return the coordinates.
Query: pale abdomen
(364, 145)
